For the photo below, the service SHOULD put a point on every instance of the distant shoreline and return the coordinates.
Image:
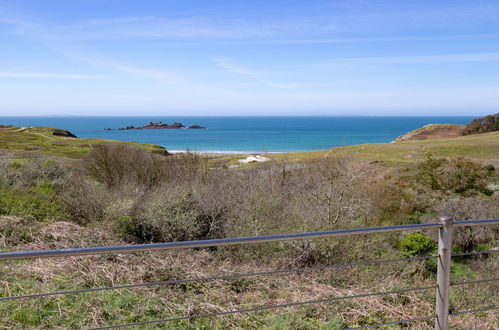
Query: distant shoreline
(229, 152)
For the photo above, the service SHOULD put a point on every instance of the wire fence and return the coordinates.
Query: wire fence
(440, 323)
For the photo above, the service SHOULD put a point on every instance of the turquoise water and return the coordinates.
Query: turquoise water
(245, 134)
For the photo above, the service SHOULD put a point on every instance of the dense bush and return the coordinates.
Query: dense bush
(117, 164)
(416, 244)
(162, 216)
(489, 123)
(456, 175)
(84, 200)
(121, 164)
(31, 172)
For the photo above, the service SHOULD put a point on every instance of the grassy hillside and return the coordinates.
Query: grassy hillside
(480, 146)
(41, 140)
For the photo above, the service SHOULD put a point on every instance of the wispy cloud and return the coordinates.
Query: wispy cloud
(107, 63)
(445, 58)
(299, 28)
(411, 59)
(230, 66)
(44, 75)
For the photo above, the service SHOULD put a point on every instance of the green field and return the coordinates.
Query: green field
(479, 146)
(40, 140)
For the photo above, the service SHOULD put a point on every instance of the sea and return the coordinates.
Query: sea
(244, 134)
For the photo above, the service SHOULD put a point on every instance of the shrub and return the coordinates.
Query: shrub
(416, 244)
(456, 174)
(163, 216)
(121, 164)
(471, 208)
(116, 164)
(489, 123)
(32, 172)
(83, 200)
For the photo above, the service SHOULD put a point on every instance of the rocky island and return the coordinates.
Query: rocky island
(158, 125)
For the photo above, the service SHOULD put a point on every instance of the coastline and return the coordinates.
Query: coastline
(226, 152)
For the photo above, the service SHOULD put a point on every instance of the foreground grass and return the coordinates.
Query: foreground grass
(40, 140)
(105, 308)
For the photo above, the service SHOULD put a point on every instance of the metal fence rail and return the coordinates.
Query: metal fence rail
(445, 226)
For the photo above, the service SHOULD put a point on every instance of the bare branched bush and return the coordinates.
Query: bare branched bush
(471, 208)
(331, 186)
(83, 199)
(117, 164)
(120, 164)
(31, 172)
(388, 202)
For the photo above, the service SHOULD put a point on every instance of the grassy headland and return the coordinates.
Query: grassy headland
(479, 146)
(43, 141)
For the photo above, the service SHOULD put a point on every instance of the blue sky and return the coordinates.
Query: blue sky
(121, 57)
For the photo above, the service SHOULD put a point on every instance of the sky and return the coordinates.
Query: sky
(203, 57)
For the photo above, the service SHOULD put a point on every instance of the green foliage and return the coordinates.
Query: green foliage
(455, 174)
(38, 203)
(489, 123)
(489, 168)
(416, 244)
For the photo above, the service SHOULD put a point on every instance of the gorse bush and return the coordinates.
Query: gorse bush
(456, 175)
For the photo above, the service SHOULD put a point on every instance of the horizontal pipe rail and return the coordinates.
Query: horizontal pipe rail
(230, 241)
(467, 223)
(211, 243)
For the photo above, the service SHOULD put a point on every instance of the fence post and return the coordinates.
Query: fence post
(443, 273)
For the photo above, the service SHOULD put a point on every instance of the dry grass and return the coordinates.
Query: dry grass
(94, 309)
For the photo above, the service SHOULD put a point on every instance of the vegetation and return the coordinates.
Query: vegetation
(489, 123)
(32, 141)
(122, 193)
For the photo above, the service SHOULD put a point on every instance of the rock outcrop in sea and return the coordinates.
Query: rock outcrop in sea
(158, 125)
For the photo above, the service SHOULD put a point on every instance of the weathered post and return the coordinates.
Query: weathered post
(443, 273)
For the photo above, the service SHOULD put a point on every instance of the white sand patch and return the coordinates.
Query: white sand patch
(254, 159)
